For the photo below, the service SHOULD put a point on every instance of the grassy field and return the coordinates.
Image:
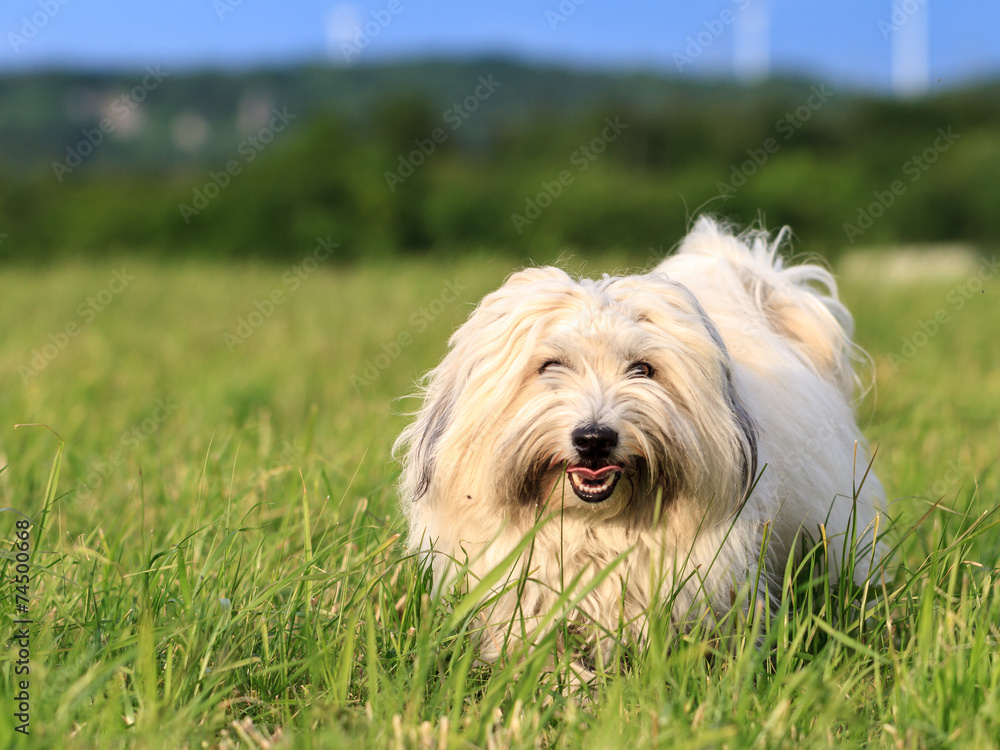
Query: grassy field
(215, 558)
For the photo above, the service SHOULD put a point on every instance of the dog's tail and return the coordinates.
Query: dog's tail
(799, 302)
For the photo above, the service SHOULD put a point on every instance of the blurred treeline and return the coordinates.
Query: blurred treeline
(830, 155)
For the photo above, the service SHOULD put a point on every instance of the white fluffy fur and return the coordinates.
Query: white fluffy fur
(752, 382)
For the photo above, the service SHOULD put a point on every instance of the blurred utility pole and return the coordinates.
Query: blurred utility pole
(910, 33)
(752, 41)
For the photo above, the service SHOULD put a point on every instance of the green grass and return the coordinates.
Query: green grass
(233, 572)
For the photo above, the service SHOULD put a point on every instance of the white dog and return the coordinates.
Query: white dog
(675, 419)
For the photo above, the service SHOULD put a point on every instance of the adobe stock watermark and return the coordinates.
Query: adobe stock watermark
(100, 469)
(121, 108)
(291, 280)
(419, 320)
(802, 461)
(33, 24)
(290, 456)
(655, 256)
(901, 13)
(955, 472)
(377, 22)
(915, 167)
(581, 158)
(696, 45)
(562, 12)
(956, 300)
(86, 312)
(455, 116)
(249, 148)
(786, 127)
(224, 7)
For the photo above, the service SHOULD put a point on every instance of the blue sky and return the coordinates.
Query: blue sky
(845, 41)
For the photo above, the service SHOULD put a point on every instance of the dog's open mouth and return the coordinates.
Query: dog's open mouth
(594, 485)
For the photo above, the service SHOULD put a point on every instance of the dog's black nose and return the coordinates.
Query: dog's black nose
(594, 441)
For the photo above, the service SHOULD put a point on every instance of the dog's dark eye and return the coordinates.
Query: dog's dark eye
(640, 370)
(549, 363)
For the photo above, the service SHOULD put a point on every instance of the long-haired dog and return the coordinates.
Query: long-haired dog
(669, 422)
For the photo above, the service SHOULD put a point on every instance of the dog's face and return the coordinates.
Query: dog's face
(608, 397)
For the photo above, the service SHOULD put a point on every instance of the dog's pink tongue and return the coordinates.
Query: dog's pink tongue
(593, 473)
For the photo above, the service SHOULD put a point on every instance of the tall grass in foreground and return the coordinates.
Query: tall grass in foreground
(237, 578)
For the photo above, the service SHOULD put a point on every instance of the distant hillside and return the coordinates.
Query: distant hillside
(489, 155)
(164, 119)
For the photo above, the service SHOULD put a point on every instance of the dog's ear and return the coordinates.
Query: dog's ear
(419, 441)
(478, 374)
(748, 444)
(744, 422)
(436, 419)
(657, 299)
